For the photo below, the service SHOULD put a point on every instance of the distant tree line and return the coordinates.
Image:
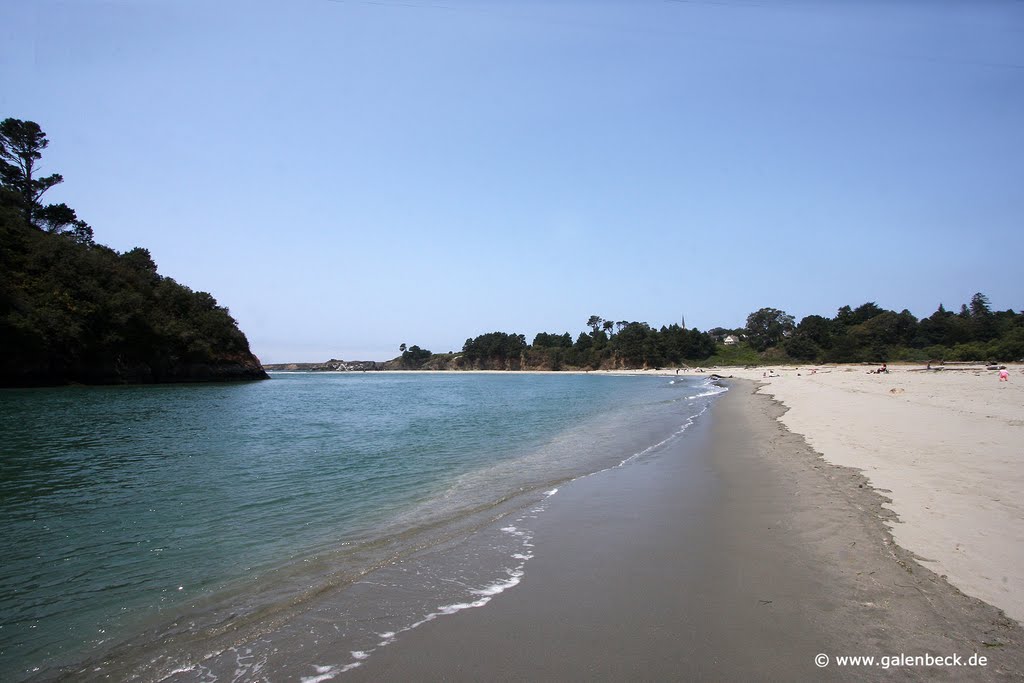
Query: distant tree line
(870, 333)
(607, 345)
(72, 310)
(867, 333)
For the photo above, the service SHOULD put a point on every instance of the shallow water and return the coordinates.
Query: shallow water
(189, 531)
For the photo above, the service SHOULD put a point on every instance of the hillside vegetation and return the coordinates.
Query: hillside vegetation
(73, 311)
(870, 333)
(608, 345)
(866, 334)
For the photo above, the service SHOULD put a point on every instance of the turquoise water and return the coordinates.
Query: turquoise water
(140, 516)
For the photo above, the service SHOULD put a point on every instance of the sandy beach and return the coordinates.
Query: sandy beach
(947, 447)
(775, 558)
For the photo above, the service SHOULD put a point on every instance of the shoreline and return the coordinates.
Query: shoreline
(736, 553)
(944, 447)
(422, 566)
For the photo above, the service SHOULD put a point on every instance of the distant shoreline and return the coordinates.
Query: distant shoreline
(748, 371)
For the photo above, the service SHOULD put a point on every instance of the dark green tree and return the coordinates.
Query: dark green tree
(631, 345)
(545, 340)
(816, 329)
(980, 306)
(494, 350)
(61, 219)
(678, 344)
(906, 327)
(21, 146)
(140, 261)
(414, 357)
(848, 317)
(767, 327)
(983, 322)
(802, 347)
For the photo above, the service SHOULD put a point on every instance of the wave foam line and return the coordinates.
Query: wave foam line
(514, 575)
(667, 439)
(483, 596)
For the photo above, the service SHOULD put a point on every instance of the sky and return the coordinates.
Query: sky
(348, 176)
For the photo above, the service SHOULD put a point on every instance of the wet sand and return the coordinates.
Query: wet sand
(736, 553)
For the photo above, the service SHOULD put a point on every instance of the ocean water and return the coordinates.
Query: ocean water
(287, 529)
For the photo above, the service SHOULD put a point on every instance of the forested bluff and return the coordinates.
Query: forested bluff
(74, 311)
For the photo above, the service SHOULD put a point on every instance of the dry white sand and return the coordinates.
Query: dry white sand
(947, 447)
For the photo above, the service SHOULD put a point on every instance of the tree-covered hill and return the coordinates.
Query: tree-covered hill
(73, 311)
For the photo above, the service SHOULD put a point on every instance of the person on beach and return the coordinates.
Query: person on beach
(1004, 375)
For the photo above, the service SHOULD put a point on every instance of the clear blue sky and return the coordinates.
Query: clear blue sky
(348, 176)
